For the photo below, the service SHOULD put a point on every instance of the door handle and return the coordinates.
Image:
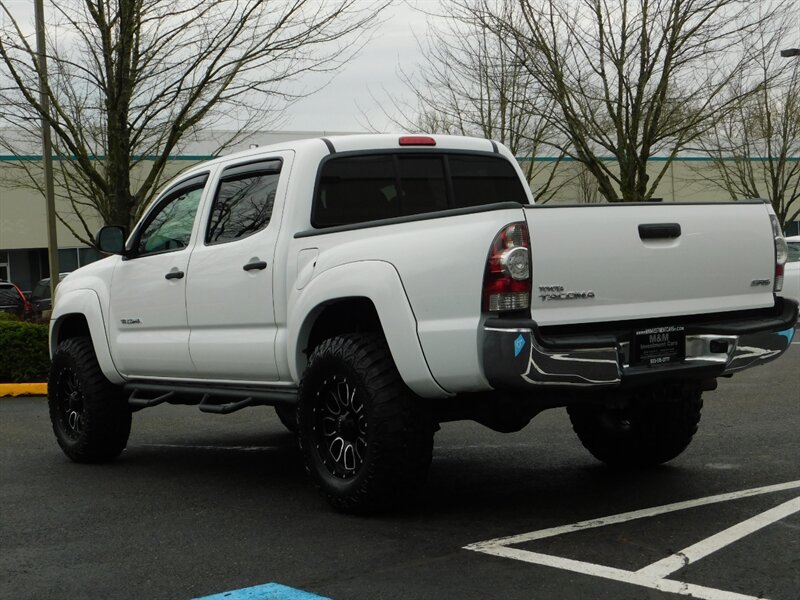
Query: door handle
(659, 231)
(258, 265)
(174, 275)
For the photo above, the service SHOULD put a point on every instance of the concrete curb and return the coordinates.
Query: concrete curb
(23, 389)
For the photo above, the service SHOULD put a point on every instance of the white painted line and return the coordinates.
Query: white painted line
(629, 516)
(585, 568)
(652, 576)
(718, 541)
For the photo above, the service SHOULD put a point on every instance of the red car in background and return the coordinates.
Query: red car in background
(12, 300)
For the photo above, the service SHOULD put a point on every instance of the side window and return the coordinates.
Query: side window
(170, 228)
(243, 205)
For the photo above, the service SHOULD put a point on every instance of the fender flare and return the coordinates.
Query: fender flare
(85, 302)
(379, 282)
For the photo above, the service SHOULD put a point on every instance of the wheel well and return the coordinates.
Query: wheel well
(72, 326)
(348, 315)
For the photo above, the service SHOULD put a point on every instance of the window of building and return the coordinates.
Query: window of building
(243, 204)
(355, 189)
(5, 271)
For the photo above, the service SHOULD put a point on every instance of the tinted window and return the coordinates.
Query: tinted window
(242, 207)
(422, 184)
(170, 227)
(479, 180)
(355, 189)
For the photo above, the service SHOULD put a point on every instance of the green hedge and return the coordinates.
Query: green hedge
(24, 354)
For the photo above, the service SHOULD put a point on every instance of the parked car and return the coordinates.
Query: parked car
(40, 296)
(791, 273)
(12, 300)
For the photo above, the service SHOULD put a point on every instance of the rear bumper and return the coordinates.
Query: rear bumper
(518, 354)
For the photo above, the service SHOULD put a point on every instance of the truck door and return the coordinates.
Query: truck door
(229, 295)
(149, 329)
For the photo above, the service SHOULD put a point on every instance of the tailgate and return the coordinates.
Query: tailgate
(596, 264)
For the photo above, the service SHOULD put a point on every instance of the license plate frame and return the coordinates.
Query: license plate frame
(657, 346)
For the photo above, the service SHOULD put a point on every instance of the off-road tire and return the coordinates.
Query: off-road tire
(389, 430)
(287, 415)
(656, 427)
(90, 416)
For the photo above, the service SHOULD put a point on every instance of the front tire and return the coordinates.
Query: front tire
(366, 439)
(656, 426)
(90, 417)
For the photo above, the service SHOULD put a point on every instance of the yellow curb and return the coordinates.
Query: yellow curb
(23, 389)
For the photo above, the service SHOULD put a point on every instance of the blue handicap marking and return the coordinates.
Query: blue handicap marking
(519, 344)
(788, 334)
(268, 591)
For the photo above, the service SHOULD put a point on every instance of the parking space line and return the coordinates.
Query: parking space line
(630, 516)
(652, 576)
(606, 572)
(718, 541)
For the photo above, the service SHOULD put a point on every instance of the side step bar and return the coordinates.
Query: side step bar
(216, 400)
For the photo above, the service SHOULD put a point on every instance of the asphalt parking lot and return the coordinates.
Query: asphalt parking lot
(200, 504)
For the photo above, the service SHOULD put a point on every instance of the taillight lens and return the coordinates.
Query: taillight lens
(781, 252)
(507, 279)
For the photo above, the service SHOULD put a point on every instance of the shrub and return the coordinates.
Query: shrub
(24, 355)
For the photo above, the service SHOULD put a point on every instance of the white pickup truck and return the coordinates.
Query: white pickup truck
(371, 287)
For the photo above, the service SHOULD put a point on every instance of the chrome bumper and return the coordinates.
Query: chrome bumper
(517, 357)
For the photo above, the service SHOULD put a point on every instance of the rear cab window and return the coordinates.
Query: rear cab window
(368, 187)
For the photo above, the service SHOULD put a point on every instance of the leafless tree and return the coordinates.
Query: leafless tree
(755, 149)
(130, 80)
(470, 82)
(631, 79)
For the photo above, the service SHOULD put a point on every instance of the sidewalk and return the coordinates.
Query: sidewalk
(23, 389)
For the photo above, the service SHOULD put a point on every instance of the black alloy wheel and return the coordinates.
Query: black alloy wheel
(90, 415)
(340, 427)
(366, 439)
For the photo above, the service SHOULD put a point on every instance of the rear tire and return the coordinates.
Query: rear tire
(366, 439)
(657, 426)
(90, 416)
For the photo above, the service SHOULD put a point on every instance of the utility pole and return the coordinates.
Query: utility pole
(47, 150)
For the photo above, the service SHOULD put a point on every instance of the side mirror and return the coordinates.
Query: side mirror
(111, 239)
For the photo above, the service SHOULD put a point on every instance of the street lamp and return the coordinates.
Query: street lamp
(790, 52)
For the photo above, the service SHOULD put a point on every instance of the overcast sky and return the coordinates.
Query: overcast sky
(340, 106)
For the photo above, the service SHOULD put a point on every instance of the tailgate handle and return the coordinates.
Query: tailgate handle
(659, 231)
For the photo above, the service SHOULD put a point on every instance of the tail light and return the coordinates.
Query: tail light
(507, 279)
(781, 252)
